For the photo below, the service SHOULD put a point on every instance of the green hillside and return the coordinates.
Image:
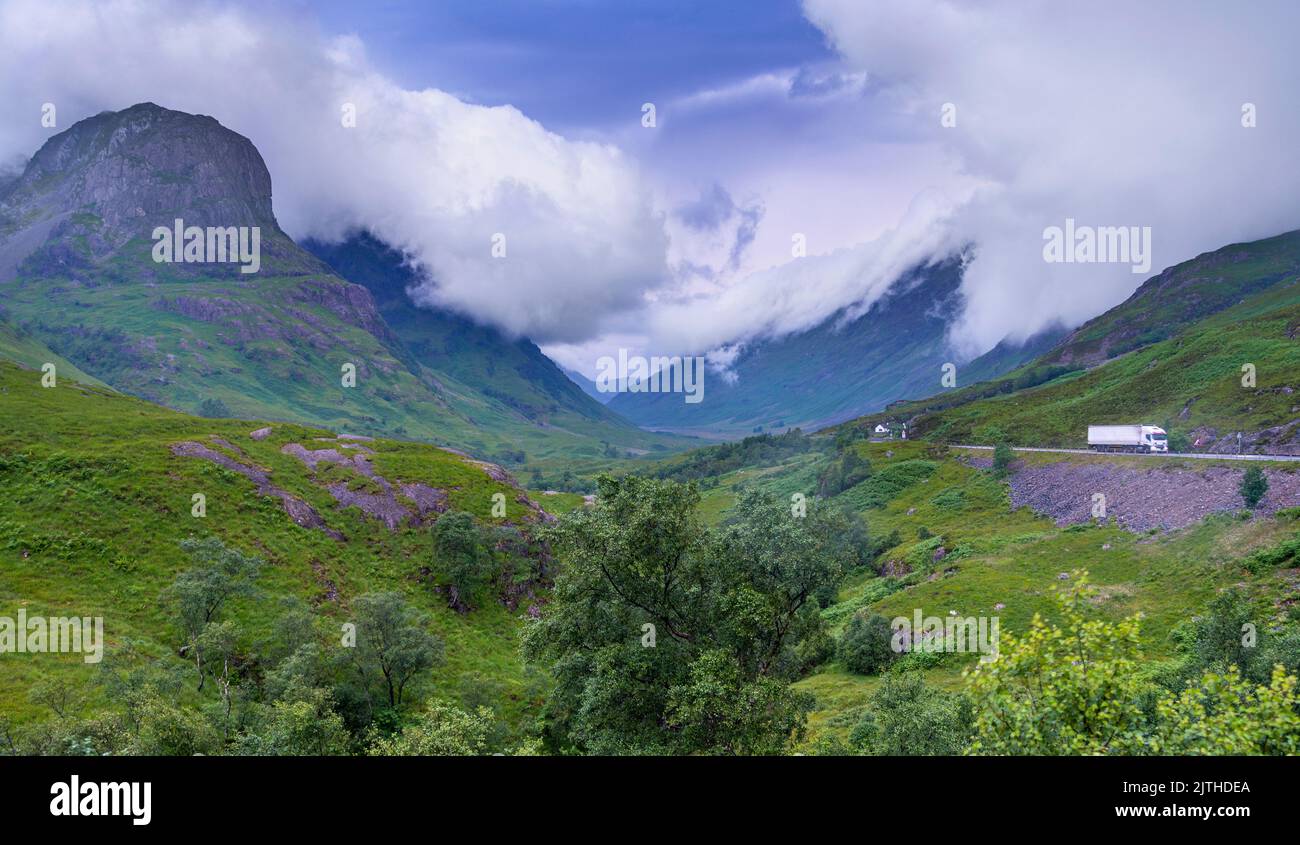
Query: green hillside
(98, 499)
(996, 560)
(1181, 345)
(78, 276)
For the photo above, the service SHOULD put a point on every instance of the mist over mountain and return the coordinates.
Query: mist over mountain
(79, 265)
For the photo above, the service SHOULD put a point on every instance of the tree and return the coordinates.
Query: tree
(1073, 689)
(59, 694)
(1227, 715)
(304, 723)
(393, 645)
(462, 562)
(1002, 458)
(213, 409)
(664, 636)
(200, 593)
(865, 646)
(442, 730)
(1254, 484)
(907, 718)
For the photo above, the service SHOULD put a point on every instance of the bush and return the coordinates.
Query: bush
(213, 409)
(461, 561)
(1254, 484)
(1265, 560)
(908, 718)
(865, 644)
(1002, 458)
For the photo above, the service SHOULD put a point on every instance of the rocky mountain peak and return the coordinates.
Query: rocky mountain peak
(115, 177)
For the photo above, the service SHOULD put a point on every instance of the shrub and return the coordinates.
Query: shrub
(1002, 458)
(865, 644)
(1254, 484)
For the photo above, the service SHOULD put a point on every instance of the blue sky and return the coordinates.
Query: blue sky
(578, 65)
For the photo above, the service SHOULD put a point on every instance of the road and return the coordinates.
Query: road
(1193, 455)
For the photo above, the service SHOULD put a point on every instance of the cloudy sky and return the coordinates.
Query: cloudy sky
(818, 122)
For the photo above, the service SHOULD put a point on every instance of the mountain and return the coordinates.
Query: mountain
(1180, 352)
(836, 371)
(588, 387)
(513, 372)
(80, 276)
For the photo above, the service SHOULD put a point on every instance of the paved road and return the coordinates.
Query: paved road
(1195, 455)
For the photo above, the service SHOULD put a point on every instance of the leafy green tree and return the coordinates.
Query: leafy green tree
(61, 695)
(1254, 484)
(393, 645)
(725, 711)
(213, 409)
(1075, 689)
(908, 718)
(462, 562)
(865, 646)
(441, 730)
(1227, 715)
(658, 626)
(1061, 690)
(303, 723)
(200, 593)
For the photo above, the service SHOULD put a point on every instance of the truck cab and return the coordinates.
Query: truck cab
(1155, 438)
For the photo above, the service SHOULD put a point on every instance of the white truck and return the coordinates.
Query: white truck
(1127, 438)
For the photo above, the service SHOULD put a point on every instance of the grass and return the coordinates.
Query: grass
(96, 504)
(1014, 558)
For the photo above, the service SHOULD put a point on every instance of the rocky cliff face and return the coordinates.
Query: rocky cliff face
(102, 186)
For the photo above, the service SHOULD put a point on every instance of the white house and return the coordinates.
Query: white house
(881, 428)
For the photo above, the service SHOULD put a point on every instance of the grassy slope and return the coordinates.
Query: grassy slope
(21, 348)
(1013, 558)
(95, 504)
(1189, 380)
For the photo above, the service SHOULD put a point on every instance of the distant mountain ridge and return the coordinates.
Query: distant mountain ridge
(837, 370)
(1209, 349)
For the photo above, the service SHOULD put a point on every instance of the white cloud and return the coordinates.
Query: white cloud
(427, 172)
(1110, 113)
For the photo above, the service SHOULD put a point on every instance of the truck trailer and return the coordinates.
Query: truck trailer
(1127, 438)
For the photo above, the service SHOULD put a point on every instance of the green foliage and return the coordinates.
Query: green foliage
(1285, 553)
(199, 594)
(304, 724)
(1067, 690)
(1003, 456)
(440, 730)
(865, 646)
(213, 408)
(1075, 690)
(393, 646)
(758, 450)
(840, 475)
(660, 629)
(888, 482)
(907, 718)
(1226, 715)
(461, 561)
(1254, 484)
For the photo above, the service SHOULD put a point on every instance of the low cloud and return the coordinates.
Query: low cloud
(440, 178)
(1113, 114)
